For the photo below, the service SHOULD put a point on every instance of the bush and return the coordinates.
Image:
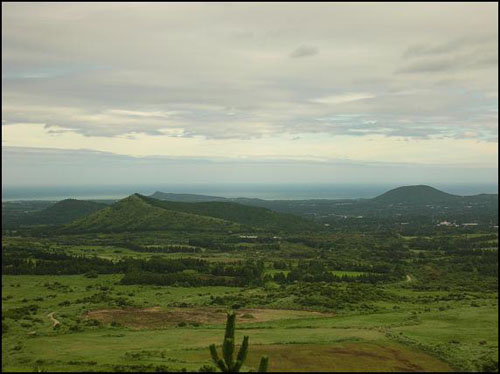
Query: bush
(75, 328)
(21, 312)
(489, 365)
(92, 322)
(91, 274)
(207, 369)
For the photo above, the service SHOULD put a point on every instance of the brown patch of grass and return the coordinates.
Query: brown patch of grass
(157, 318)
(353, 357)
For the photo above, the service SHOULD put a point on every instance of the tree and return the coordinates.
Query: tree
(227, 363)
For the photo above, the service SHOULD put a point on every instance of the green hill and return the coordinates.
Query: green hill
(62, 212)
(136, 213)
(242, 214)
(68, 210)
(416, 195)
(141, 213)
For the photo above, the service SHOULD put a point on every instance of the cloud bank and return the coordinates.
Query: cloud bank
(234, 77)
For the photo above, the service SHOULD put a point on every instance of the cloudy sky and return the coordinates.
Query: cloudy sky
(281, 92)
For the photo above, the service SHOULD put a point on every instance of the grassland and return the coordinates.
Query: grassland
(124, 299)
(405, 339)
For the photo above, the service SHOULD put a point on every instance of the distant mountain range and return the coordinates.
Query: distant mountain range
(185, 197)
(395, 205)
(202, 212)
(414, 195)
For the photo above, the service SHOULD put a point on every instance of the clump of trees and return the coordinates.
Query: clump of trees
(227, 363)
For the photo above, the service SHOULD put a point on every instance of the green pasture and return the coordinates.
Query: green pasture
(457, 336)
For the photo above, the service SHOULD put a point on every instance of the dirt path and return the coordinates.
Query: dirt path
(54, 321)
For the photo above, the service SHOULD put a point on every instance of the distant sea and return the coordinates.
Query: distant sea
(260, 191)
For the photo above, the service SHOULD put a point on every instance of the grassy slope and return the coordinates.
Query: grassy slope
(243, 214)
(135, 214)
(68, 210)
(141, 213)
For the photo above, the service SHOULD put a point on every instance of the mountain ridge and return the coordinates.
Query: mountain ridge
(240, 213)
(133, 213)
(141, 213)
(416, 193)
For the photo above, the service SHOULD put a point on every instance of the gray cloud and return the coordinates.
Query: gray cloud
(472, 52)
(225, 70)
(55, 167)
(488, 60)
(304, 51)
(481, 41)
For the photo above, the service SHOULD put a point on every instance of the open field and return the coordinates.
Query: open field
(157, 333)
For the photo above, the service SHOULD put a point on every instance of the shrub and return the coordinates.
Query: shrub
(207, 369)
(75, 328)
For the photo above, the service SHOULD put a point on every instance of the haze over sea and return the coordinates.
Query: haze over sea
(257, 190)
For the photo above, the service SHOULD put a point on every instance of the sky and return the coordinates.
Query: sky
(107, 93)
